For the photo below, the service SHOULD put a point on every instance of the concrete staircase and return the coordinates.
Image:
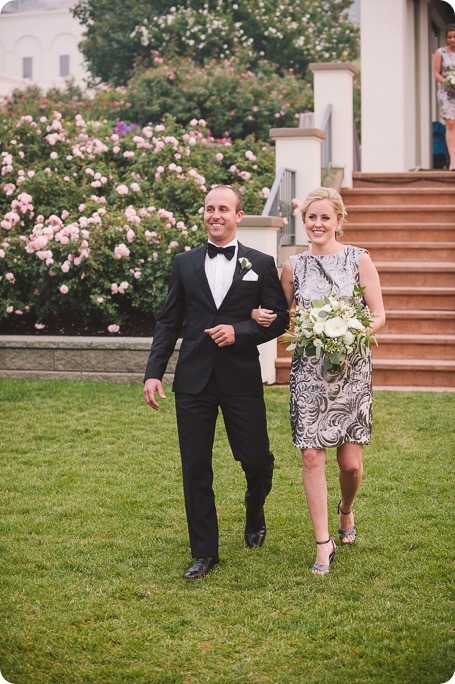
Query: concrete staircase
(407, 223)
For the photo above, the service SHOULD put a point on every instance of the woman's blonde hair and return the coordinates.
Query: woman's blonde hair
(335, 200)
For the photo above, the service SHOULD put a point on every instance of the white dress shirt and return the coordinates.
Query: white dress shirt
(220, 272)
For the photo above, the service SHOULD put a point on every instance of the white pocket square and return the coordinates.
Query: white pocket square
(250, 275)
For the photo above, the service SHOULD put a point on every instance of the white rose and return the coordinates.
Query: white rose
(348, 338)
(355, 324)
(315, 312)
(335, 327)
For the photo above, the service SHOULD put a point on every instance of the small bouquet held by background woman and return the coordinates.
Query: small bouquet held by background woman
(332, 326)
(449, 80)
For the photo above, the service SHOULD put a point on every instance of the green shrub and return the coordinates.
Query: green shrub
(73, 191)
(229, 97)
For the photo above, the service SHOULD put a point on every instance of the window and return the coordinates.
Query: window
(27, 67)
(64, 65)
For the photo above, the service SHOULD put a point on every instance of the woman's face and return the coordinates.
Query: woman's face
(451, 39)
(321, 222)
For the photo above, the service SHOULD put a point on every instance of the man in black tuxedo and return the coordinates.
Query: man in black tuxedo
(214, 289)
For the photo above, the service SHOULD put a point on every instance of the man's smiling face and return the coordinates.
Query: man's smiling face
(220, 215)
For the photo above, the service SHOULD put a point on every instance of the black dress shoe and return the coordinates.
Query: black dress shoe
(255, 538)
(201, 567)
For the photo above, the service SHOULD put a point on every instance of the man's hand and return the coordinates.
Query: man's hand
(151, 386)
(222, 335)
(264, 317)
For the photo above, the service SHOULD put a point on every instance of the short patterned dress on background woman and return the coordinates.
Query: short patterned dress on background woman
(329, 408)
(446, 98)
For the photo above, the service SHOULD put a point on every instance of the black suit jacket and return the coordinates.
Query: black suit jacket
(236, 367)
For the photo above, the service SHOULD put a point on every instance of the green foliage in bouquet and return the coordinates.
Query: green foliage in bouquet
(333, 327)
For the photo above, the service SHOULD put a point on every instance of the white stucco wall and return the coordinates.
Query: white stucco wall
(396, 85)
(44, 36)
(383, 52)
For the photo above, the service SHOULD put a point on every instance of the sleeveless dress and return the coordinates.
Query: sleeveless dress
(446, 98)
(329, 408)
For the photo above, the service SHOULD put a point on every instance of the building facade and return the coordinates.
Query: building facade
(399, 106)
(39, 44)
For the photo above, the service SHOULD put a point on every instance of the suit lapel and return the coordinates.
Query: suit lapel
(198, 258)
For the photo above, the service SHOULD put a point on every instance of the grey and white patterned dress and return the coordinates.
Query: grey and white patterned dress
(329, 408)
(446, 98)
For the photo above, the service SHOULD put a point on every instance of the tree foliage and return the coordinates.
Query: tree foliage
(121, 34)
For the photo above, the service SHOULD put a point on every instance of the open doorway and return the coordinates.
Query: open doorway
(440, 14)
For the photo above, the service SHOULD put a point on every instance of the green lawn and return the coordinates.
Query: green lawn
(94, 544)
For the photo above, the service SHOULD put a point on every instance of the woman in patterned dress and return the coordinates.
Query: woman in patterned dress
(329, 408)
(443, 62)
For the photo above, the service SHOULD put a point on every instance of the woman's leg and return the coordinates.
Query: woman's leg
(315, 485)
(349, 458)
(450, 140)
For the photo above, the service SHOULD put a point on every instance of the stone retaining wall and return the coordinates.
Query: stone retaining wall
(105, 359)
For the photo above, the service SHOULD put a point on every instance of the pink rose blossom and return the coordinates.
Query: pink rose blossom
(39, 326)
(9, 309)
(113, 328)
(9, 188)
(121, 251)
(10, 277)
(64, 289)
(122, 189)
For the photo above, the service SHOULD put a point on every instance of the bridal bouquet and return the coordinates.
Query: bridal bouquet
(449, 80)
(333, 326)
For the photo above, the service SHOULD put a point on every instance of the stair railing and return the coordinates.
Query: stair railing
(279, 203)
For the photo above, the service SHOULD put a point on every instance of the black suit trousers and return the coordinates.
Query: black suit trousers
(246, 426)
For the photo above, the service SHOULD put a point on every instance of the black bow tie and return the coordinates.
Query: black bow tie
(213, 250)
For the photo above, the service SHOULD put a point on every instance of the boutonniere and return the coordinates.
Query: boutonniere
(245, 264)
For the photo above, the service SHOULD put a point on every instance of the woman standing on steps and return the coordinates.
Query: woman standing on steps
(443, 64)
(330, 408)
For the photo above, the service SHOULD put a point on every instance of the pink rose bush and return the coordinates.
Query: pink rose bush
(90, 220)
